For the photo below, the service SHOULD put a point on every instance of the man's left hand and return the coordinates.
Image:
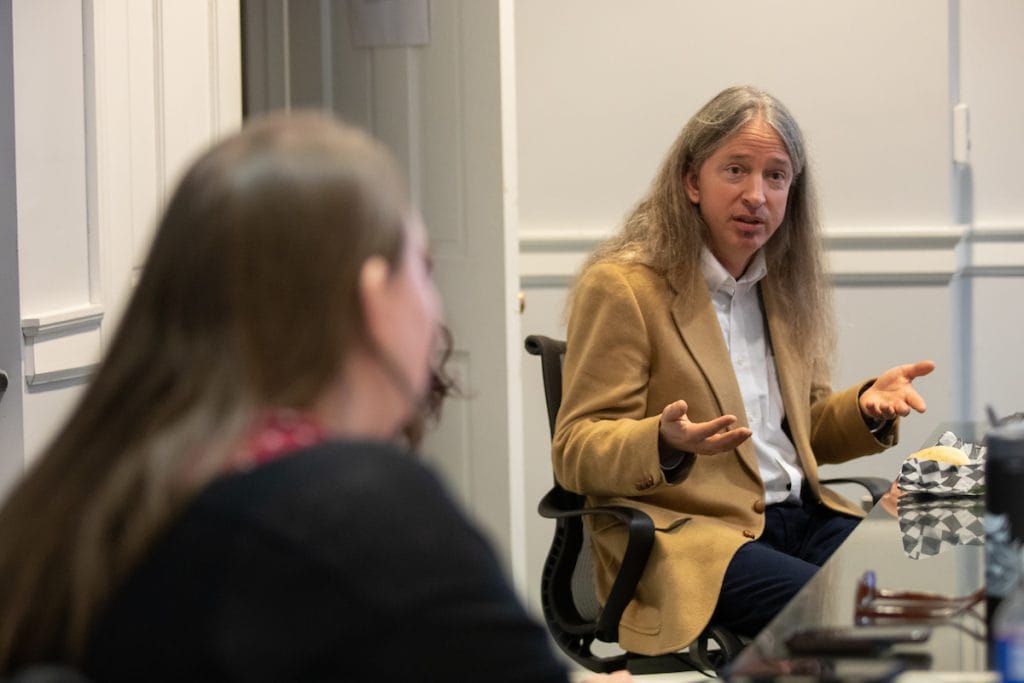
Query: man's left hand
(893, 393)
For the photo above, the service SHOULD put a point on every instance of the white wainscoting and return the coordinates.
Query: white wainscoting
(156, 82)
(62, 346)
(552, 256)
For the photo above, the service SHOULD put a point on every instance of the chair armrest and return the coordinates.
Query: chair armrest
(876, 486)
(559, 503)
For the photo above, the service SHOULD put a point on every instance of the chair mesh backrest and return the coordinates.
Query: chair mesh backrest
(583, 594)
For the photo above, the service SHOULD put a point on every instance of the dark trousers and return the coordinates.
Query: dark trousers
(765, 574)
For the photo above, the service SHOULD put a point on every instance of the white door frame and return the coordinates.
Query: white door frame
(11, 429)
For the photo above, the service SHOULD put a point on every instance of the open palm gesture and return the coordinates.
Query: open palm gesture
(893, 393)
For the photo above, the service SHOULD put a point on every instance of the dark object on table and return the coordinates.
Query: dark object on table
(855, 640)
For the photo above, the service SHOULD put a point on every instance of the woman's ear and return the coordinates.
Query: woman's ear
(373, 296)
(691, 186)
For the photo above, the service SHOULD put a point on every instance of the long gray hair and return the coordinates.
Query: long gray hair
(665, 230)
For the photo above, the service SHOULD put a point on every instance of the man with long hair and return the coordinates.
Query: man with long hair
(697, 381)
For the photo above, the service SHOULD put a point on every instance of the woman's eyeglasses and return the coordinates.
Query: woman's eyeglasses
(872, 603)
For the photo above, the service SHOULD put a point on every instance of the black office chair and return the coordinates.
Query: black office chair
(572, 612)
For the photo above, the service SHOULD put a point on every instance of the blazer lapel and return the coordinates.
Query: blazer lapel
(794, 377)
(702, 335)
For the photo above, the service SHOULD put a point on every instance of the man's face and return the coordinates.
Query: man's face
(741, 191)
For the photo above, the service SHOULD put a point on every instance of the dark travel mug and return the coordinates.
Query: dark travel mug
(1004, 515)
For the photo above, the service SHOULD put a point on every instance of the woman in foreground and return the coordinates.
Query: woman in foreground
(230, 500)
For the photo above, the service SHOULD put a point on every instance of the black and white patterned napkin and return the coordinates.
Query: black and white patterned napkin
(941, 478)
(930, 525)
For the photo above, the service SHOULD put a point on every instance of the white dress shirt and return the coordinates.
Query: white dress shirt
(738, 307)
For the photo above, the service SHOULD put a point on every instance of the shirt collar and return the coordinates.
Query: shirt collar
(719, 279)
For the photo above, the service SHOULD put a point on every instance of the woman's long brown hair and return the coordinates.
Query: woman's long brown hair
(248, 299)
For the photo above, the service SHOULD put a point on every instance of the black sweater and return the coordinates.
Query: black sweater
(347, 561)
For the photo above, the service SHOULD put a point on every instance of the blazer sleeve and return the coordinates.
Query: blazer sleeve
(606, 436)
(838, 431)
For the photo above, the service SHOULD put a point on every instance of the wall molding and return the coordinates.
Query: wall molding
(859, 256)
(62, 345)
(131, 52)
(992, 251)
(898, 256)
(62, 320)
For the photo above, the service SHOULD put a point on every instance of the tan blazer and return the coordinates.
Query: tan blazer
(634, 346)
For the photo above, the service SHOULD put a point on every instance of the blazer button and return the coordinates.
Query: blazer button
(758, 506)
(748, 533)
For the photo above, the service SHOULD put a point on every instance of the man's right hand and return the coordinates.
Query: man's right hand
(703, 438)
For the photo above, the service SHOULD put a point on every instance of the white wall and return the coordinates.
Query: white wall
(991, 287)
(927, 255)
(604, 89)
(991, 71)
(111, 98)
